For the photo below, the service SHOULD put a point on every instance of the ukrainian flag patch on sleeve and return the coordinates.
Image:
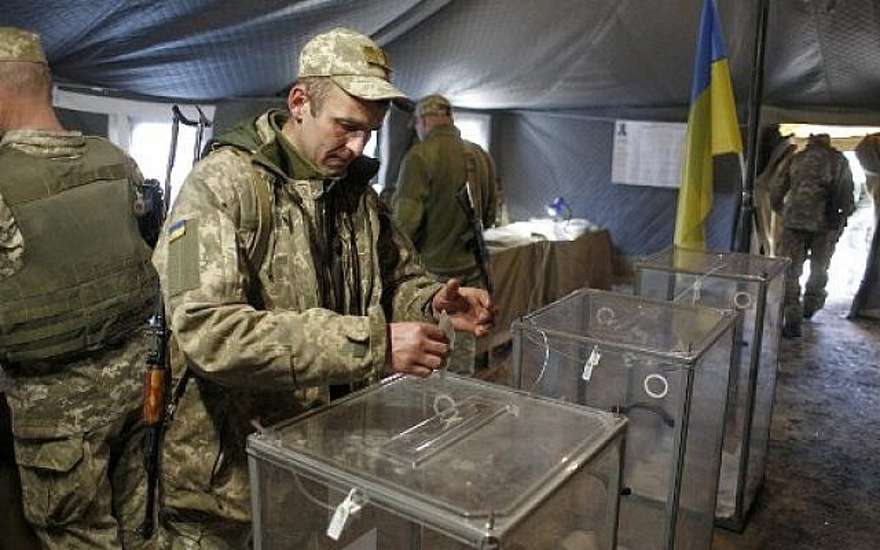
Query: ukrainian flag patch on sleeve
(182, 269)
(176, 231)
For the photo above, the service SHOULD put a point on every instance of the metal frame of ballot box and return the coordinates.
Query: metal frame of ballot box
(414, 475)
(754, 287)
(665, 366)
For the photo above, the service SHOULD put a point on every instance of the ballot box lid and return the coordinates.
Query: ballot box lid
(443, 446)
(677, 333)
(734, 265)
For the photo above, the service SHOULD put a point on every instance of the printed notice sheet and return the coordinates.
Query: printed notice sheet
(648, 153)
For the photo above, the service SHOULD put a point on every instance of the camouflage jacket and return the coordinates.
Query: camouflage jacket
(425, 203)
(818, 181)
(49, 400)
(264, 341)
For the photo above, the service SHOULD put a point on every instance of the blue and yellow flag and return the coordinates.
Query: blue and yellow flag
(712, 130)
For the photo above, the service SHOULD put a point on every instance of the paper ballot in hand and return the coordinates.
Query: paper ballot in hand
(446, 326)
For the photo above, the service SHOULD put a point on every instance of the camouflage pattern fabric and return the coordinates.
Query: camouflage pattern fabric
(14, 529)
(817, 175)
(11, 242)
(795, 245)
(20, 45)
(86, 491)
(71, 420)
(264, 342)
(425, 204)
(353, 61)
(814, 175)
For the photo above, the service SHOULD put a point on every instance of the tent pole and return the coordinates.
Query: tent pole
(742, 233)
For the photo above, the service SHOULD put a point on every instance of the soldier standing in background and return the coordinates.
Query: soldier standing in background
(815, 199)
(427, 208)
(287, 284)
(76, 287)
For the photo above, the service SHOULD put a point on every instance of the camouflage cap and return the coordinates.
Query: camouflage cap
(351, 60)
(20, 45)
(433, 105)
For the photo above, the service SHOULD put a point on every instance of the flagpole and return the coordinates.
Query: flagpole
(742, 233)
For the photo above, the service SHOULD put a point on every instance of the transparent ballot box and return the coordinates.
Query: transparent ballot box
(754, 286)
(442, 463)
(665, 366)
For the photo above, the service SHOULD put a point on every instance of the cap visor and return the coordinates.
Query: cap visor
(370, 88)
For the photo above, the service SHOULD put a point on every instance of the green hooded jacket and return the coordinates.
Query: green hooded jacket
(263, 342)
(425, 203)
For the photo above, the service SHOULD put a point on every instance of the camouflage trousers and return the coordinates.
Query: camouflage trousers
(177, 534)
(797, 245)
(86, 490)
(14, 530)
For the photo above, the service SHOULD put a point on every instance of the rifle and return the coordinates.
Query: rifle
(477, 244)
(157, 378)
(150, 210)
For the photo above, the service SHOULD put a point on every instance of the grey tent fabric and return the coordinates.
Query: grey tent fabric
(485, 54)
(823, 54)
(555, 73)
(535, 167)
(199, 49)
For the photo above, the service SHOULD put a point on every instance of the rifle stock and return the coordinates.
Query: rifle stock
(157, 378)
(155, 387)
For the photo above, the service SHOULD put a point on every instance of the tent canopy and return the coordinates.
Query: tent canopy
(555, 74)
(484, 54)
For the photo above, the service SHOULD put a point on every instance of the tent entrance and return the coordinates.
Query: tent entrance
(850, 260)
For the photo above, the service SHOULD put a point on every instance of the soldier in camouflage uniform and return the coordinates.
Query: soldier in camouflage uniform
(426, 207)
(815, 198)
(286, 283)
(76, 287)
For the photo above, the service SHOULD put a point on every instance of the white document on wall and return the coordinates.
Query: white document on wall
(648, 153)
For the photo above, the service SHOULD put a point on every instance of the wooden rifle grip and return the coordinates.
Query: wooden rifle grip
(154, 393)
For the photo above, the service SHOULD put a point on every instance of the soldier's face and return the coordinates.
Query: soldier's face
(337, 133)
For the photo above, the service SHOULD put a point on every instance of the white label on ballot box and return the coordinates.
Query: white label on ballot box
(592, 362)
(346, 509)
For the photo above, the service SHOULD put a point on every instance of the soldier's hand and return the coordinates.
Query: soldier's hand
(469, 309)
(416, 348)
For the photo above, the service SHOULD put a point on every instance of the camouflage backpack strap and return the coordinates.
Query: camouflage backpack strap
(263, 207)
(255, 207)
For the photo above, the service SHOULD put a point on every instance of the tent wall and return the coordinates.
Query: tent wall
(602, 58)
(542, 155)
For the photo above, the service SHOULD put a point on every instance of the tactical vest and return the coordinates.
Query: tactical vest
(86, 279)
